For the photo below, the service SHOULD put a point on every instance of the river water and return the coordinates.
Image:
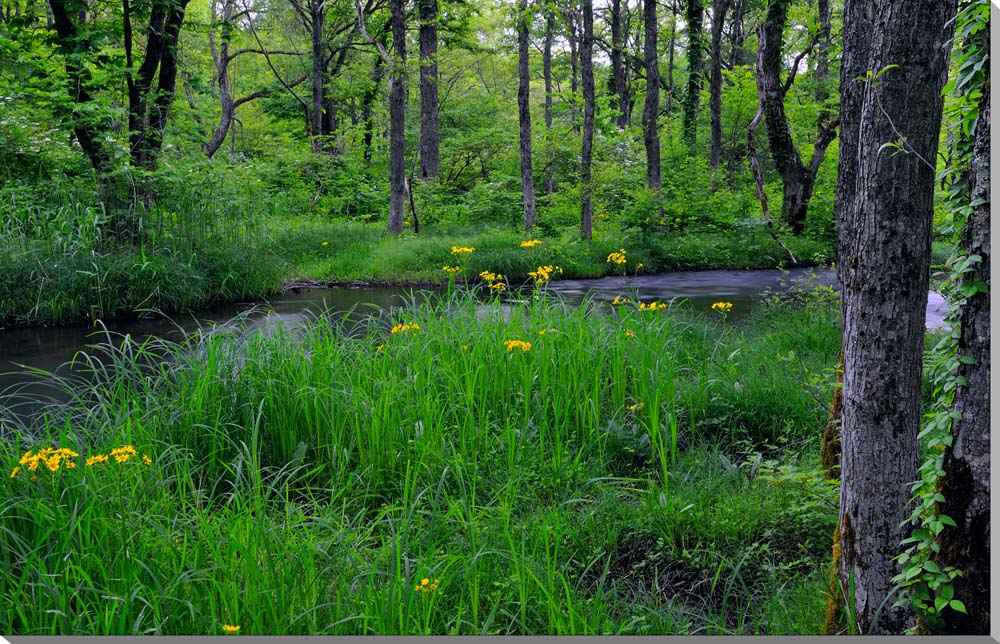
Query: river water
(51, 348)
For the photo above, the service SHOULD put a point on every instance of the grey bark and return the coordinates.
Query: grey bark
(430, 137)
(670, 56)
(885, 234)
(397, 111)
(651, 108)
(587, 80)
(694, 16)
(316, 20)
(966, 484)
(550, 22)
(822, 73)
(719, 9)
(524, 115)
(624, 117)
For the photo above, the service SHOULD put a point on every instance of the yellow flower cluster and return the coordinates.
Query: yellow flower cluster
(495, 280)
(652, 306)
(617, 257)
(451, 269)
(629, 333)
(544, 331)
(400, 328)
(427, 586)
(458, 250)
(636, 407)
(530, 243)
(544, 273)
(229, 628)
(620, 300)
(52, 458)
(517, 344)
(723, 307)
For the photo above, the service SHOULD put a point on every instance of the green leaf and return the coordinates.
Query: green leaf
(931, 566)
(947, 592)
(957, 605)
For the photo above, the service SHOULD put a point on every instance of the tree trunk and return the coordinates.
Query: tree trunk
(737, 53)
(430, 137)
(524, 115)
(651, 108)
(550, 22)
(624, 117)
(670, 56)
(316, 17)
(966, 484)
(397, 110)
(690, 123)
(885, 233)
(574, 59)
(367, 108)
(220, 56)
(587, 73)
(797, 179)
(823, 59)
(719, 9)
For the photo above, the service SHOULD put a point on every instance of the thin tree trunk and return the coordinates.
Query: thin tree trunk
(651, 108)
(719, 9)
(618, 68)
(587, 73)
(316, 17)
(737, 53)
(524, 115)
(822, 73)
(550, 21)
(367, 108)
(430, 137)
(397, 111)
(885, 233)
(670, 57)
(695, 15)
(966, 483)
(220, 56)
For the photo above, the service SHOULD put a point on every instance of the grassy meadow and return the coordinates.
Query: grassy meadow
(461, 465)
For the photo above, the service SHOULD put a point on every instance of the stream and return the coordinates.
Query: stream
(52, 348)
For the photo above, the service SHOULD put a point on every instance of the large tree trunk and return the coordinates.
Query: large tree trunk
(651, 108)
(885, 232)
(719, 9)
(587, 73)
(694, 17)
(524, 115)
(550, 23)
(797, 178)
(397, 110)
(430, 137)
(966, 484)
(624, 117)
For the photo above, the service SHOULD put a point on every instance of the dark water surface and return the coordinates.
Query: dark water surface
(50, 349)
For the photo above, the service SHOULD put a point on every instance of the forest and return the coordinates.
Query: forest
(487, 317)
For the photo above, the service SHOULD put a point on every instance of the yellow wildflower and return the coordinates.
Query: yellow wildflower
(617, 257)
(458, 250)
(325, 244)
(620, 300)
(544, 273)
(544, 331)
(100, 458)
(629, 333)
(228, 628)
(124, 453)
(517, 344)
(636, 407)
(498, 286)
(723, 307)
(451, 269)
(652, 306)
(17, 470)
(147, 460)
(530, 243)
(400, 328)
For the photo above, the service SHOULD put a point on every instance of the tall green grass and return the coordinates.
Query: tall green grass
(306, 480)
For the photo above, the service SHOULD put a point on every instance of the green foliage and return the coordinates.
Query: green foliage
(306, 479)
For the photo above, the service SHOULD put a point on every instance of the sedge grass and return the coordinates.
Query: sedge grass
(307, 480)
